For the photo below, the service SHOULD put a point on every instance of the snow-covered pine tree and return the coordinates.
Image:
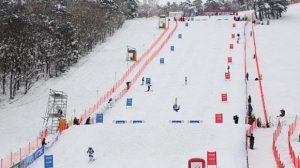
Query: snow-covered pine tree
(198, 6)
(212, 4)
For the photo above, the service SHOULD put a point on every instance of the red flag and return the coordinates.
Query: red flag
(212, 158)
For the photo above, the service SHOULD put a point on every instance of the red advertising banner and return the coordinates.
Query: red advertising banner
(230, 46)
(224, 97)
(212, 158)
(229, 60)
(233, 35)
(219, 118)
(227, 75)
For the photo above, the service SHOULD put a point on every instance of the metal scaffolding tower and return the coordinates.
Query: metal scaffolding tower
(56, 109)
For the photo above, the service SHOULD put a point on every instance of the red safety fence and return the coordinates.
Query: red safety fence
(295, 1)
(22, 153)
(252, 128)
(276, 154)
(259, 77)
(291, 131)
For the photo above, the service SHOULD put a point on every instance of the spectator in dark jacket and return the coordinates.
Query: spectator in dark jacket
(44, 142)
(76, 121)
(88, 121)
(251, 141)
(249, 99)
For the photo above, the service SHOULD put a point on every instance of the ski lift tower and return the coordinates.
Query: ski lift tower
(56, 110)
(162, 23)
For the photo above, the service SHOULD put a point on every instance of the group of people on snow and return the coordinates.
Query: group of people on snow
(238, 18)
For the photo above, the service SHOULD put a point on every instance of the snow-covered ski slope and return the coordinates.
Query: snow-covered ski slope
(201, 56)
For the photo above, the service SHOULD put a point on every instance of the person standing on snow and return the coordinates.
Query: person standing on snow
(282, 113)
(44, 142)
(251, 141)
(249, 99)
(76, 121)
(236, 119)
(143, 79)
(88, 121)
(238, 38)
(110, 102)
(185, 80)
(90, 152)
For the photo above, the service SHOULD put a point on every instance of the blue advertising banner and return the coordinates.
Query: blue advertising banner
(27, 161)
(129, 101)
(162, 61)
(99, 118)
(38, 153)
(172, 48)
(48, 161)
(30, 159)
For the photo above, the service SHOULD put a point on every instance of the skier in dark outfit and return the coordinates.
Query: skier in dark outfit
(90, 152)
(176, 107)
(236, 119)
(251, 141)
(249, 99)
(282, 113)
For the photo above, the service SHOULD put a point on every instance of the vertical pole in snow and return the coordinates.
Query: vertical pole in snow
(10, 158)
(20, 154)
(1, 163)
(29, 148)
(97, 94)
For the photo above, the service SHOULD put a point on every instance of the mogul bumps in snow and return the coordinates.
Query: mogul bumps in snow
(90, 152)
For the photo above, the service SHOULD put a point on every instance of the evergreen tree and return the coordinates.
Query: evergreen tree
(212, 4)
(198, 6)
(42, 38)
